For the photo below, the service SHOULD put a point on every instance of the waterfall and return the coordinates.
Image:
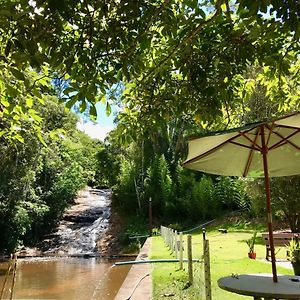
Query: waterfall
(82, 225)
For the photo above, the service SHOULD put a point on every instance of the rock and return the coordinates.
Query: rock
(82, 225)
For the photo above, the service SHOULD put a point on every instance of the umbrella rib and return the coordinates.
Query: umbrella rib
(270, 132)
(245, 146)
(256, 146)
(286, 126)
(213, 149)
(250, 157)
(284, 140)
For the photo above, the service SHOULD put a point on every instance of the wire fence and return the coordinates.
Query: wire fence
(198, 269)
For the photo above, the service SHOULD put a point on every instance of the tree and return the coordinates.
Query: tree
(39, 179)
(197, 46)
(107, 165)
(285, 192)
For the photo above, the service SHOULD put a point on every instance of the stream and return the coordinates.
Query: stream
(71, 267)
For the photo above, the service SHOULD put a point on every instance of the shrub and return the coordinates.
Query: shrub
(158, 185)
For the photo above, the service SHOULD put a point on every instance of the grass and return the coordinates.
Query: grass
(228, 255)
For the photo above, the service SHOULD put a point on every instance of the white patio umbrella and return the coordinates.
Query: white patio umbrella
(264, 149)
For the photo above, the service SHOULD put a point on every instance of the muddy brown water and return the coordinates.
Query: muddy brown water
(65, 278)
(71, 278)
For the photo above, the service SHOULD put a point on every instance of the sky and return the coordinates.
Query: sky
(103, 125)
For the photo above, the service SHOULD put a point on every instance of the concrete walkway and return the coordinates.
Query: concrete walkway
(138, 283)
(282, 263)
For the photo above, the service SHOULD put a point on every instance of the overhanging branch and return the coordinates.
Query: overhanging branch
(152, 19)
(186, 40)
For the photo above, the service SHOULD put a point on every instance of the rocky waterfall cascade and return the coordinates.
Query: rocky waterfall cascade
(83, 224)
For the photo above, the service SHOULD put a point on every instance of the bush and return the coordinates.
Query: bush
(158, 184)
(203, 204)
(230, 194)
(124, 193)
(135, 225)
(62, 193)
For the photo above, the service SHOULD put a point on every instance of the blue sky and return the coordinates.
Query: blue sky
(103, 125)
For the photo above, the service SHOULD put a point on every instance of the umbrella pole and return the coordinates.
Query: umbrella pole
(268, 203)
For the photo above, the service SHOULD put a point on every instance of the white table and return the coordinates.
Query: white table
(262, 286)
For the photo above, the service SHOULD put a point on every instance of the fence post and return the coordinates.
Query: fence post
(190, 259)
(206, 267)
(172, 240)
(150, 217)
(175, 242)
(180, 251)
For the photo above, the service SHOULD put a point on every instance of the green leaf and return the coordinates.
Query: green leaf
(93, 111)
(69, 90)
(5, 13)
(8, 48)
(18, 74)
(69, 62)
(108, 109)
(29, 102)
(11, 91)
(2, 132)
(34, 114)
(145, 43)
(200, 12)
(37, 94)
(82, 106)
(71, 102)
(44, 81)
(19, 138)
(41, 139)
(5, 103)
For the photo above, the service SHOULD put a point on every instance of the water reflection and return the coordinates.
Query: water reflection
(65, 278)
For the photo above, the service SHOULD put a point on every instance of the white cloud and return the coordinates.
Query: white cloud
(95, 131)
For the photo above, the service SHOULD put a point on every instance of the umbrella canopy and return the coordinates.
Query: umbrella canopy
(263, 149)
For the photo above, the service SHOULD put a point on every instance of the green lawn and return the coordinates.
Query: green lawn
(228, 254)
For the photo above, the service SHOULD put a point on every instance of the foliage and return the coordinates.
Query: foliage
(203, 203)
(294, 255)
(158, 185)
(284, 199)
(124, 192)
(170, 54)
(230, 194)
(179, 67)
(107, 165)
(39, 180)
(264, 94)
(176, 197)
(294, 250)
(251, 242)
(285, 193)
(64, 188)
(134, 226)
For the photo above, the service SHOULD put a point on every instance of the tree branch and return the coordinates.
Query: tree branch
(186, 40)
(227, 9)
(152, 19)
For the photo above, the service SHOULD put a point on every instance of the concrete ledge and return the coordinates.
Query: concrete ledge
(138, 284)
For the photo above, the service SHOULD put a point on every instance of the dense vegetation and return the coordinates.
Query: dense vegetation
(166, 58)
(39, 179)
(176, 68)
